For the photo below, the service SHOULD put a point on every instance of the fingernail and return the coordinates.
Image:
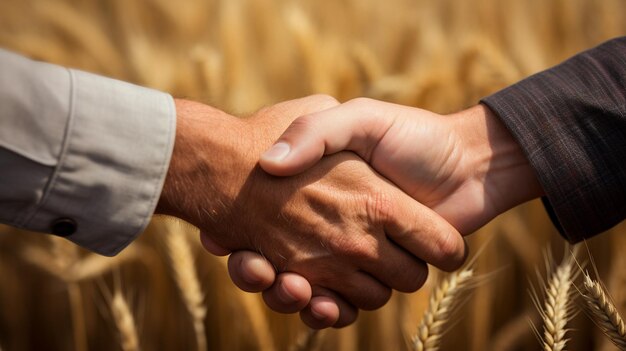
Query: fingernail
(317, 314)
(252, 265)
(285, 295)
(277, 152)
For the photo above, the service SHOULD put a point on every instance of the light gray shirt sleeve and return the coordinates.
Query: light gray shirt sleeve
(81, 155)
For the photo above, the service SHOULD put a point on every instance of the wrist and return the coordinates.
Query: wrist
(204, 164)
(496, 159)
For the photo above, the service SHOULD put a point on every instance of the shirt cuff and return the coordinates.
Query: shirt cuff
(113, 162)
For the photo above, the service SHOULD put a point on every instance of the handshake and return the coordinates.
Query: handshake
(351, 201)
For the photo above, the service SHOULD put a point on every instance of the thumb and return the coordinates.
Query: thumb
(351, 126)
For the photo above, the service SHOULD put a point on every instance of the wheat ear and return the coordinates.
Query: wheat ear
(441, 305)
(557, 311)
(187, 280)
(603, 312)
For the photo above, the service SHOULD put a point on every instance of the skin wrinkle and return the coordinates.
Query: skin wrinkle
(392, 146)
(456, 153)
(371, 148)
(445, 178)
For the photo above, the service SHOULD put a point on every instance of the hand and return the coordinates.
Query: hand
(345, 229)
(465, 166)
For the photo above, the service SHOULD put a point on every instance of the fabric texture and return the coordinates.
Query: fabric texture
(570, 121)
(80, 146)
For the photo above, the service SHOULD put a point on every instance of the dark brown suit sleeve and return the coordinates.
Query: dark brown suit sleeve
(571, 123)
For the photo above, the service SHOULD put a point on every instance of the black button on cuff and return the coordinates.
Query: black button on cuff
(64, 227)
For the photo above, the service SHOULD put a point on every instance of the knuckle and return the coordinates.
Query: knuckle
(415, 280)
(451, 249)
(360, 101)
(301, 125)
(324, 100)
(375, 299)
(380, 207)
(359, 248)
(303, 122)
(347, 316)
(273, 302)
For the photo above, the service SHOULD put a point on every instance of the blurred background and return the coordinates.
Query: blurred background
(241, 55)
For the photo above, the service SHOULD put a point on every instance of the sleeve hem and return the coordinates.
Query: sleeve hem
(570, 121)
(115, 155)
(159, 184)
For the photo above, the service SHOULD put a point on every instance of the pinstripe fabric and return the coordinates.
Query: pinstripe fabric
(571, 122)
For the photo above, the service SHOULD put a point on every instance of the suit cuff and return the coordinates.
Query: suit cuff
(521, 108)
(570, 121)
(113, 162)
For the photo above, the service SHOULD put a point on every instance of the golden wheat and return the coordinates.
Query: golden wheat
(186, 277)
(308, 341)
(63, 256)
(251, 308)
(442, 303)
(556, 311)
(64, 262)
(124, 321)
(604, 314)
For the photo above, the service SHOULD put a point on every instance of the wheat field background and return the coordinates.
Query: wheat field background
(240, 55)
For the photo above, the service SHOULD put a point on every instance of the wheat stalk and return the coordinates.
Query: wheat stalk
(307, 42)
(93, 265)
(187, 280)
(603, 312)
(442, 303)
(252, 307)
(64, 256)
(556, 311)
(63, 262)
(125, 322)
(307, 341)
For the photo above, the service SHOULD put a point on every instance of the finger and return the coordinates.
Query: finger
(290, 293)
(284, 113)
(363, 291)
(250, 271)
(322, 312)
(328, 309)
(397, 268)
(357, 125)
(423, 233)
(211, 246)
(303, 106)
